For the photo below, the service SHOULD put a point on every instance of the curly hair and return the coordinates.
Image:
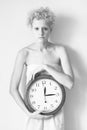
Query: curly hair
(42, 13)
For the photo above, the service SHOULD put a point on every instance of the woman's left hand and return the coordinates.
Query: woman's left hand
(38, 69)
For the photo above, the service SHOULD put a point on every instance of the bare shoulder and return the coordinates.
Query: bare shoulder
(31, 47)
(24, 51)
(22, 54)
(58, 49)
(62, 50)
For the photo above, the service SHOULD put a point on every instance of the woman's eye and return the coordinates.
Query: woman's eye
(37, 28)
(45, 29)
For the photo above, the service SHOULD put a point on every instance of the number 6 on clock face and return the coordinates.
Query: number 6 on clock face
(45, 94)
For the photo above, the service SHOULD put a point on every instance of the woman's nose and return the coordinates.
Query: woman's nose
(42, 31)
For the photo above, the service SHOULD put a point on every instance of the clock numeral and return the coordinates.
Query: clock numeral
(45, 108)
(55, 88)
(37, 84)
(43, 82)
(52, 105)
(56, 101)
(57, 94)
(33, 102)
(33, 90)
(50, 84)
(31, 96)
(38, 106)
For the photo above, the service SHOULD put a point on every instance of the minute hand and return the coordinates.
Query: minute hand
(50, 94)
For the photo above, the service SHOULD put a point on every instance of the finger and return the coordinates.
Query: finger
(37, 112)
(49, 116)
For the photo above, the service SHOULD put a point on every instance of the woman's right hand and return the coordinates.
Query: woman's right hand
(37, 115)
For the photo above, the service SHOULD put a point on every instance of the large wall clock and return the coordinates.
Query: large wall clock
(44, 93)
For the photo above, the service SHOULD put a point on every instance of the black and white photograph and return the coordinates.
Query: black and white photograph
(43, 65)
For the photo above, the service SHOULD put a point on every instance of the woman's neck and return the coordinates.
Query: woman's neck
(40, 45)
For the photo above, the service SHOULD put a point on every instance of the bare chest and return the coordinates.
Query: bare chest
(46, 57)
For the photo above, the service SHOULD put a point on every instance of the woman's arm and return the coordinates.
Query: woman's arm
(16, 77)
(15, 82)
(66, 77)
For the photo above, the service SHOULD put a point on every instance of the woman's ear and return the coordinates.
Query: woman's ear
(51, 27)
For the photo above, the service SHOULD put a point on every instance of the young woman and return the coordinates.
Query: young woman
(41, 55)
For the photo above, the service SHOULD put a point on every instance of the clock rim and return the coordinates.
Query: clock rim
(29, 85)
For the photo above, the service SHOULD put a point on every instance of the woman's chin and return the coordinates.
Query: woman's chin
(41, 39)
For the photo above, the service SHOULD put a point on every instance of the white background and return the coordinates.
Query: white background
(70, 30)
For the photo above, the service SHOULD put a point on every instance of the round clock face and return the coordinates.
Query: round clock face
(46, 95)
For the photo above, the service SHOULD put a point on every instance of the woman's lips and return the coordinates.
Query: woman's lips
(41, 37)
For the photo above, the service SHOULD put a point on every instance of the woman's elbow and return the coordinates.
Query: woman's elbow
(13, 90)
(71, 82)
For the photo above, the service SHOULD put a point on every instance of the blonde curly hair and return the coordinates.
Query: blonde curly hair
(42, 13)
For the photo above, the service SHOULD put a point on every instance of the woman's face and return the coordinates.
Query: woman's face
(41, 30)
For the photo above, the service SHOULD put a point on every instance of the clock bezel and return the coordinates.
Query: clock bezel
(29, 85)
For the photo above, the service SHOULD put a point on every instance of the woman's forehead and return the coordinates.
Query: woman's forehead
(40, 22)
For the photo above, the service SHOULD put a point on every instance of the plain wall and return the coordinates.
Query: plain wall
(70, 30)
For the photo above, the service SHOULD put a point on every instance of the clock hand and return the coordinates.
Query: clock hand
(44, 91)
(50, 94)
(45, 94)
